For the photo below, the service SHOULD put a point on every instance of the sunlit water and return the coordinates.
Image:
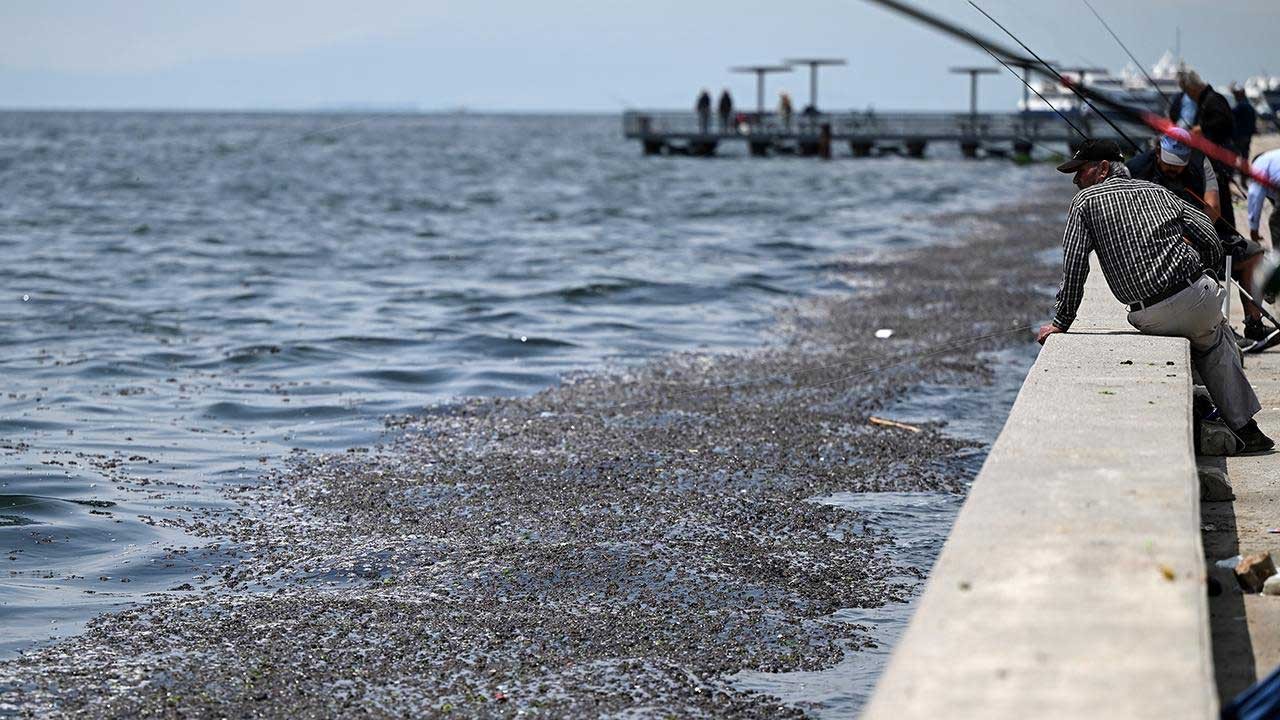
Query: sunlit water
(187, 297)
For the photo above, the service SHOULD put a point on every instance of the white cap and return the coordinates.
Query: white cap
(1172, 159)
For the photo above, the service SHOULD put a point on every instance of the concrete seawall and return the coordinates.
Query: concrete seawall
(1072, 585)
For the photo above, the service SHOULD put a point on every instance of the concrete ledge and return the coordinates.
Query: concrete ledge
(1072, 585)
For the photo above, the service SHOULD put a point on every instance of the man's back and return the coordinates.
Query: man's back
(1137, 229)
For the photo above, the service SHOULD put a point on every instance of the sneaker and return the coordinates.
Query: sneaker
(1254, 329)
(1253, 439)
(1242, 342)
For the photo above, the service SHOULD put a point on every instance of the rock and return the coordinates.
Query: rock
(1253, 570)
(1271, 586)
(1214, 486)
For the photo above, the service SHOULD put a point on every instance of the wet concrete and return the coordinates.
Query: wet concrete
(619, 545)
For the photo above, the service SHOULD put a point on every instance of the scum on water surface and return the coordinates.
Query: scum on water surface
(605, 547)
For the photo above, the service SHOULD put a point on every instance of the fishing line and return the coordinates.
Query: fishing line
(1068, 83)
(1031, 88)
(1141, 69)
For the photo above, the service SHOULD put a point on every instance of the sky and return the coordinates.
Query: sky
(563, 55)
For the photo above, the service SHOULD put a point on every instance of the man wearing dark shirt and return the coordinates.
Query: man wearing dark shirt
(1186, 173)
(1153, 249)
(1246, 121)
(1215, 122)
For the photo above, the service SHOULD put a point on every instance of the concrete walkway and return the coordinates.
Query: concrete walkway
(1246, 628)
(1072, 585)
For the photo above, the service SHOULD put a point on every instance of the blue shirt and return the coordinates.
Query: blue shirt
(1187, 112)
(1267, 165)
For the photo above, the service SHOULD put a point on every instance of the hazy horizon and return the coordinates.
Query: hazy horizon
(556, 57)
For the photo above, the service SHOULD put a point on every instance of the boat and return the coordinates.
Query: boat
(1131, 87)
(1264, 92)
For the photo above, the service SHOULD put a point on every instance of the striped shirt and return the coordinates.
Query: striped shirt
(1137, 229)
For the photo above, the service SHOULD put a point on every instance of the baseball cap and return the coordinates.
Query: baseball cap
(1174, 148)
(1091, 151)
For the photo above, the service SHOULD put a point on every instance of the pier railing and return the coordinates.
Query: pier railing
(868, 126)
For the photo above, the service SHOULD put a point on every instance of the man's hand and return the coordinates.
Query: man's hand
(1046, 331)
(1256, 234)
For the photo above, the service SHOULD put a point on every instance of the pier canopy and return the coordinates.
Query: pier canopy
(974, 72)
(814, 64)
(760, 71)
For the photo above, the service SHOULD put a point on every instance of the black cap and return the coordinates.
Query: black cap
(1091, 151)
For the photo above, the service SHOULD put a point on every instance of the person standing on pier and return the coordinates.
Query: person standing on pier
(1216, 124)
(1246, 119)
(784, 109)
(1155, 251)
(703, 108)
(725, 110)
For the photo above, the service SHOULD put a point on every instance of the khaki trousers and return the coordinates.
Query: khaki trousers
(1196, 314)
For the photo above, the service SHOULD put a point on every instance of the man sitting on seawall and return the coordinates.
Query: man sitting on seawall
(1174, 166)
(1154, 250)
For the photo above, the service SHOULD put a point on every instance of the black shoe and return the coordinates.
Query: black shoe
(1254, 330)
(1242, 342)
(1253, 439)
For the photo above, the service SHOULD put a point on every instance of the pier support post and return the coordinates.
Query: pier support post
(1022, 149)
(969, 148)
(702, 148)
(760, 148)
(860, 148)
(654, 147)
(915, 148)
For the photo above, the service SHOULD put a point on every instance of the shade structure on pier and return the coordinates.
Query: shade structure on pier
(973, 72)
(814, 64)
(761, 71)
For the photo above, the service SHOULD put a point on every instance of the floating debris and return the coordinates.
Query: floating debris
(892, 423)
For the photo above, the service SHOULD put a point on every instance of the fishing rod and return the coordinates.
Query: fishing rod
(1164, 126)
(1070, 86)
(1020, 79)
(993, 48)
(1143, 70)
(1155, 122)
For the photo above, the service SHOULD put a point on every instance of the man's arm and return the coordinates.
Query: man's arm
(1212, 200)
(1076, 245)
(1256, 196)
(1197, 228)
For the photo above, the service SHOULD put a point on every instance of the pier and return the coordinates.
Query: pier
(865, 132)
